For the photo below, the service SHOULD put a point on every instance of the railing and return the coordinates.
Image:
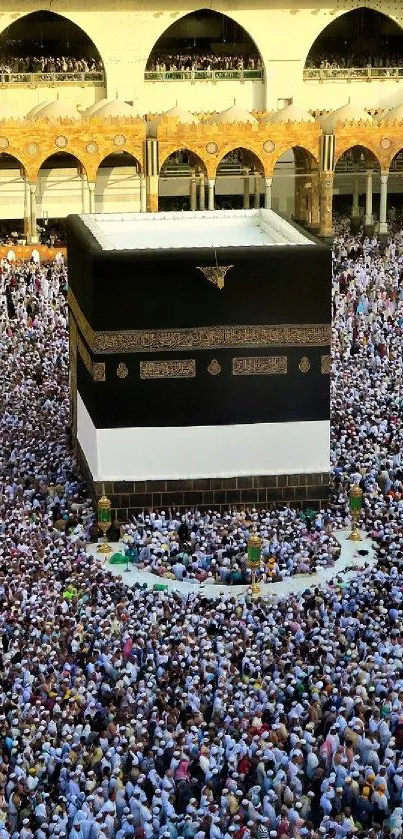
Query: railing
(200, 75)
(350, 166)
(350, 74)
(176, 170)
(184, 170)
(50, 79)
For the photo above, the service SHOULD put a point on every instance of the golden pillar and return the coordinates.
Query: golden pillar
(152, 194)
(246, 190)
(300, 197)
(27, 209)
(355, 503)
(315, 210)
(326, 204)
(193, 190)
(202, 192)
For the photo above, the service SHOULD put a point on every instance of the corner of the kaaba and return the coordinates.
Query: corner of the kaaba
(187, 394)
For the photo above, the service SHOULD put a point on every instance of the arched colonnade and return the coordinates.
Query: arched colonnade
(102, 176)
(41, 182)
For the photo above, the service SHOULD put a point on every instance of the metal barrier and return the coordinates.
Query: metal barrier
(350, 74)
(50, 79)
(200, 75)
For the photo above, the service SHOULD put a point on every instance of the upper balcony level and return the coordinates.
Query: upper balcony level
(42, 51)
(261, 55)
(82, 78)
(353, 74)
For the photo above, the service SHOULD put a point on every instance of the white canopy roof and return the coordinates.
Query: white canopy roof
(215, 229)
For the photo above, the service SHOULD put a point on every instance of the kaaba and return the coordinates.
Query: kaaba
(200, 358)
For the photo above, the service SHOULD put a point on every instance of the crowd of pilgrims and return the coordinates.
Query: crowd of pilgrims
(193, 61)
(349, 59)
(48, 64)
(127, 712)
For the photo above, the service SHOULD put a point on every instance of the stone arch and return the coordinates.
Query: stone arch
(194, 159)
(182, 177)
(117, 183)
(59, 188)
(295, 185)
(195, 28)
(13, 190)
(250, 157)
(239, 175)
(303, 152)
(43, 28)
(353, 29)
(396, 161)
(352, 166)
(365, 149)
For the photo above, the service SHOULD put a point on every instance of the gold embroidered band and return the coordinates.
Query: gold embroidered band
(173, 369)
(96, 369)
(259, 365)
(200, 337)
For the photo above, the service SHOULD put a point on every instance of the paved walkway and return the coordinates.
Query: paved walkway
(299, 582)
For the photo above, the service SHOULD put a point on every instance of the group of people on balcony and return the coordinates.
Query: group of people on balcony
(334, 61)
(194, 62)
(48, 64)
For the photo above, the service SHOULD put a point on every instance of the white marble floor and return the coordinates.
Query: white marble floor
(349, 557)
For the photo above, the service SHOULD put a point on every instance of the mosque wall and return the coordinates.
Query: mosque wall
(125, 32)
(254, 95)
(12, 194)
(209, 95)
(117, 188)
(58, 192)
(25, 97)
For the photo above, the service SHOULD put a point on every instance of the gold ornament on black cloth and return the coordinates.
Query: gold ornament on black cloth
(304, 365)
(214, 368)
(215, 273)
(122, 371)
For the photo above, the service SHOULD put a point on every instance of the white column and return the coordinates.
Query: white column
(368, 209)
(84, 193)
(202, 192)
(193, 191)
(383, 226)
(143, 194)
(27, 210)
(256, 191)
(246, 190)
(267, 198)
(91, 187)
(34, 235)
(211, 186)
(355, 213)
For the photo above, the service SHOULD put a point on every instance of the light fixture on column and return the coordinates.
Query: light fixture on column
(104, 523)
(355, 504)
(254, 557)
